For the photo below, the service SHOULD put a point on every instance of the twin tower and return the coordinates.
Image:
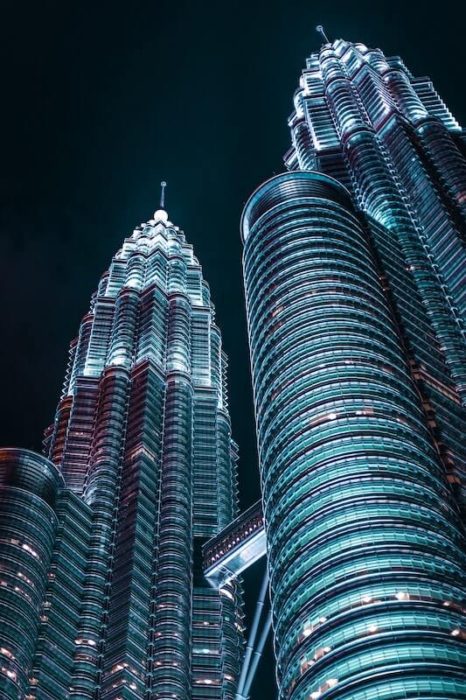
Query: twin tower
(355, 276)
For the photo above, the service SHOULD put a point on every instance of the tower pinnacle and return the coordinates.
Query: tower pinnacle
(161, 213)
(163, 184)
(321, 31)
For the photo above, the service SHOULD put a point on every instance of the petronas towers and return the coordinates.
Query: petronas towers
(121, 546)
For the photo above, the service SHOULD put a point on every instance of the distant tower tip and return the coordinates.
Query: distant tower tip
(322, 33)
(161, 214)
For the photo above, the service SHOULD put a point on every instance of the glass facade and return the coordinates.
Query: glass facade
(354, 267)
(144, 470)
(363, 533)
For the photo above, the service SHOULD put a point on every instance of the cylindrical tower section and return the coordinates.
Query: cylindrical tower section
(29, 485)
(364, 545)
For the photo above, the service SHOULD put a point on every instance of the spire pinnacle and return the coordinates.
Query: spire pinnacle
(163, 184)
(161, 214)
(321, 31)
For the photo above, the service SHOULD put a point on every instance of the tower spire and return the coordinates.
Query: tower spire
(161, 214)
(321, 31)
(163, 184)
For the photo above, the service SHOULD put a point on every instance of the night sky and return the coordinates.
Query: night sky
(102, 101)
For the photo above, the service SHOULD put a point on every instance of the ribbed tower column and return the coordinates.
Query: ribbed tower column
(171, 647)
(364, 545)
(29, 486)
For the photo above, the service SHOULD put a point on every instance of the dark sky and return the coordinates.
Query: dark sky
(103, 100)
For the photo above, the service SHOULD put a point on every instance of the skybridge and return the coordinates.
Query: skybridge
(236, 547)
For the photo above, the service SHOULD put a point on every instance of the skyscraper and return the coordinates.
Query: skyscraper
(101, 587)
(355, 269)
(363, 119)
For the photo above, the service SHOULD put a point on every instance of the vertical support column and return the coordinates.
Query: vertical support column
(101, 494)
(171, 647)
(171, 669)
(134, 554)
